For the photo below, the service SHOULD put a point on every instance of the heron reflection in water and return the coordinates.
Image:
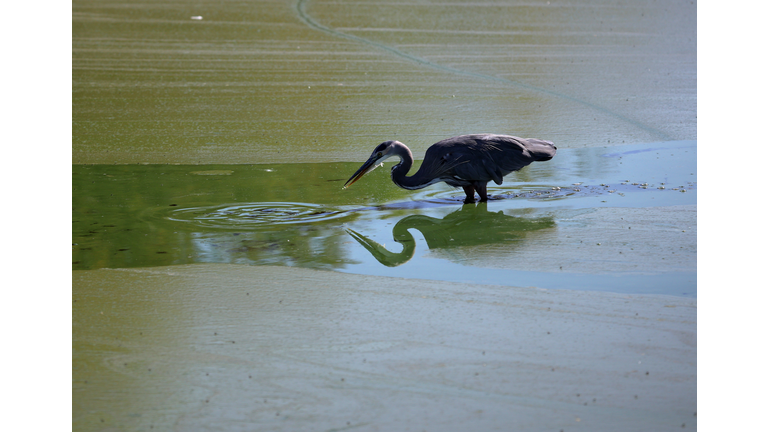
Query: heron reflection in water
(467, 227)
(469, 161)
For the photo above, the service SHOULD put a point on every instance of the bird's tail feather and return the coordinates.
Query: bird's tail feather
(541, 150)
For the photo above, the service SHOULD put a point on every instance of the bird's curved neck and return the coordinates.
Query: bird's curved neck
(400, 170)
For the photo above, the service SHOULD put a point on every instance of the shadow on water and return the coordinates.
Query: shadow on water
(297, 215)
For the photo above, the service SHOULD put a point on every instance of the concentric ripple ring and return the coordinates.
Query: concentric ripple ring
(254, 214)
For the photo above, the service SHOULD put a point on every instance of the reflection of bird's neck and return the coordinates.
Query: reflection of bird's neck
(382, 255)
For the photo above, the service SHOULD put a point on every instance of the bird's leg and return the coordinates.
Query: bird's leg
(481, 190)
(470, 191)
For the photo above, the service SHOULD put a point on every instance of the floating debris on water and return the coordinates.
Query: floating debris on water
(560, 192)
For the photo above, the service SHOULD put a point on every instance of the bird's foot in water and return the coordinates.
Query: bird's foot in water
(472, 200)
(470, 191)
(482, 192)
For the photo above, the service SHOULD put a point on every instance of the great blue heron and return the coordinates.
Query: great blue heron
(469, 161)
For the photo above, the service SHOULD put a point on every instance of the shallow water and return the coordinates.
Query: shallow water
(298, 215)
(264, 109)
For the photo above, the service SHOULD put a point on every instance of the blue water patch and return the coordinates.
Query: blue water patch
(681, 284)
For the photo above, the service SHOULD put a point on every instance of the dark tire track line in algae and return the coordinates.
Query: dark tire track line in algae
(309, 21)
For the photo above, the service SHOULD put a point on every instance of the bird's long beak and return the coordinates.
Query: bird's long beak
(367, 167)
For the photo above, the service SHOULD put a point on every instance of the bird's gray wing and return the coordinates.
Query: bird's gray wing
(483, 157)
(491, 157)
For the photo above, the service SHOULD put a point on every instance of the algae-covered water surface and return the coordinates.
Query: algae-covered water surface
(236, 94)
(547, 226)
(223, 280)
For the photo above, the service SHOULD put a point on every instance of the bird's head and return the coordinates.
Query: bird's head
(380, 153)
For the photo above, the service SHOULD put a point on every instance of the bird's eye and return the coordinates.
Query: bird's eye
(378, 155)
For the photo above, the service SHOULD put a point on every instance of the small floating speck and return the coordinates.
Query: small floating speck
(198, 17)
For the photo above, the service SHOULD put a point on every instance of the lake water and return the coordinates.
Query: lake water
(210, 143)
(298, 215)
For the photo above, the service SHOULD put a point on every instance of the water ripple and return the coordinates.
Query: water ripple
(255, 214)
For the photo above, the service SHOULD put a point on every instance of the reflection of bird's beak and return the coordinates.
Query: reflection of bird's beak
(367, 167)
